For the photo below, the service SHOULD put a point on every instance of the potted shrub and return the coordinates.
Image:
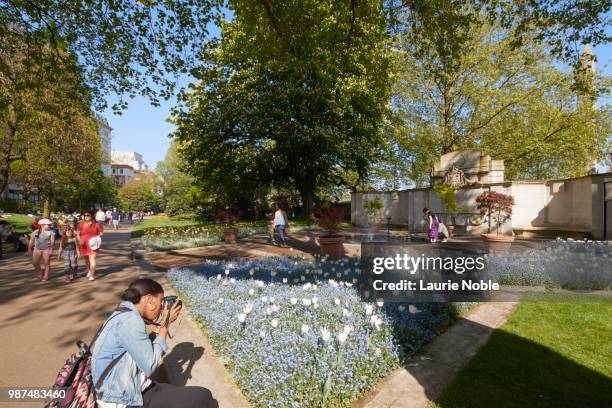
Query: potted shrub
(449, 199)
(331, 243)
(498, 208)
(229, 219)
(372, 209)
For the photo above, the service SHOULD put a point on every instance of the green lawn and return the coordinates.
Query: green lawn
(548, 354)
(21, 222)
(163, 221)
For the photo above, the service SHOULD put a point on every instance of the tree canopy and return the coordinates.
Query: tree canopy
(290, 97)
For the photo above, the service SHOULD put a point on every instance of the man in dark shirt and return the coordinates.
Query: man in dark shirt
(116, 217)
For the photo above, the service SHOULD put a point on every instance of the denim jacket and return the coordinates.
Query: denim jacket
(125, 332)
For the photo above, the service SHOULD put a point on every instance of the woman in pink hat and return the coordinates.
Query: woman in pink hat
(86, 230)
(41, 247)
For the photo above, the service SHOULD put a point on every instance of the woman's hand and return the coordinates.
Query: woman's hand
(175, 311)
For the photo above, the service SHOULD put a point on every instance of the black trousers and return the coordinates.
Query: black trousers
(160, 395)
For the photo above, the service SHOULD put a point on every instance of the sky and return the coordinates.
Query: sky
(144, 128)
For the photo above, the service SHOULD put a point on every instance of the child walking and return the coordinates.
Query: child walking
(41, 248)
(69, 250)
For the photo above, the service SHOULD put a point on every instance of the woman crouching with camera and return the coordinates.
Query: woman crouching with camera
(125, 355)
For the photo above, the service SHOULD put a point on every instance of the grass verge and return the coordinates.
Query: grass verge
(548, 354)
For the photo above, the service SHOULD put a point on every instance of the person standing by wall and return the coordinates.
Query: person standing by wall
(41, 246)
(87, 230)
(433, 224)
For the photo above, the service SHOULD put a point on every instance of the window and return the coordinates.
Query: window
(121, 171)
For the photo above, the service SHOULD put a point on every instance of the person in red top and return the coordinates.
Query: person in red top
(86, 230)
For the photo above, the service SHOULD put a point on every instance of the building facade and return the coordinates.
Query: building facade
(121, 173)
(130, 158)
(105, 132)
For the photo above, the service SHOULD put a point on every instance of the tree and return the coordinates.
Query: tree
(177, 186)
(513, 103)
(288, 98)
(126, 48)
(445, 25)
(97, 190)
(138, 195)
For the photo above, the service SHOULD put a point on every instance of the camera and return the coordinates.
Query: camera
(170, 300)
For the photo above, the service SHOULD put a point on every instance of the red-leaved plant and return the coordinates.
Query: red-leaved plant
(329, 218)
(497, 206)
(227, 217)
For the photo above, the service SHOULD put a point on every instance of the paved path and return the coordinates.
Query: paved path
(423, 378)
(40, 322)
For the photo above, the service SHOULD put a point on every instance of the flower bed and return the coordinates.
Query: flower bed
(296, 334)
(567, 264)
(169, 238)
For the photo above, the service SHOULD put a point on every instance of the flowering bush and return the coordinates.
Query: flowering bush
(567, 264)
(296, 334)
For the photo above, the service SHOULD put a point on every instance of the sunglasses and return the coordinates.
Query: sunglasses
(87, 215)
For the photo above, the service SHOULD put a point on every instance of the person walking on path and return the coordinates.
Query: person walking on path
(41, 246)
(100, 216)
(433, 225)
(69, 250)
(130, 216)
(116, 218)
(281, 223)
(133, 355)
(87, 230)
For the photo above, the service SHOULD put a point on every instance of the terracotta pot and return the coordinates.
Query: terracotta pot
(332, 246)
(229, 234)
(497, 243)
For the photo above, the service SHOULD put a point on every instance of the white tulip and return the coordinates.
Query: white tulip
(401, 308)
(293, 301)
(285, 280)
(315, 300)
(337, 301)
(248, 308)
(232, 280)
(219, 277)
(345, 312)
(413, 309)
(271, 299)
(262, 334)
(274, 323)
(242, 317)
(227, 271)
(369, 309)
(220, 300)
(380, 303)
(306, 302)
(272, 273)
(325, 335)
(302, 278)
(264, 299)
(342, 336)
(251, 292)
(251, 271)
(305, 328)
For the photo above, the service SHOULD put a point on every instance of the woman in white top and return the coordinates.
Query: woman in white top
(281, 222)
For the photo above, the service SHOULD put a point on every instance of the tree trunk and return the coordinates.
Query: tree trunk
(10, 126)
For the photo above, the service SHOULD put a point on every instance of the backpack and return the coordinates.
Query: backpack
(73, 387)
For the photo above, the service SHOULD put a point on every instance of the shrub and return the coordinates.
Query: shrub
(497, 206)
(329, 218)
